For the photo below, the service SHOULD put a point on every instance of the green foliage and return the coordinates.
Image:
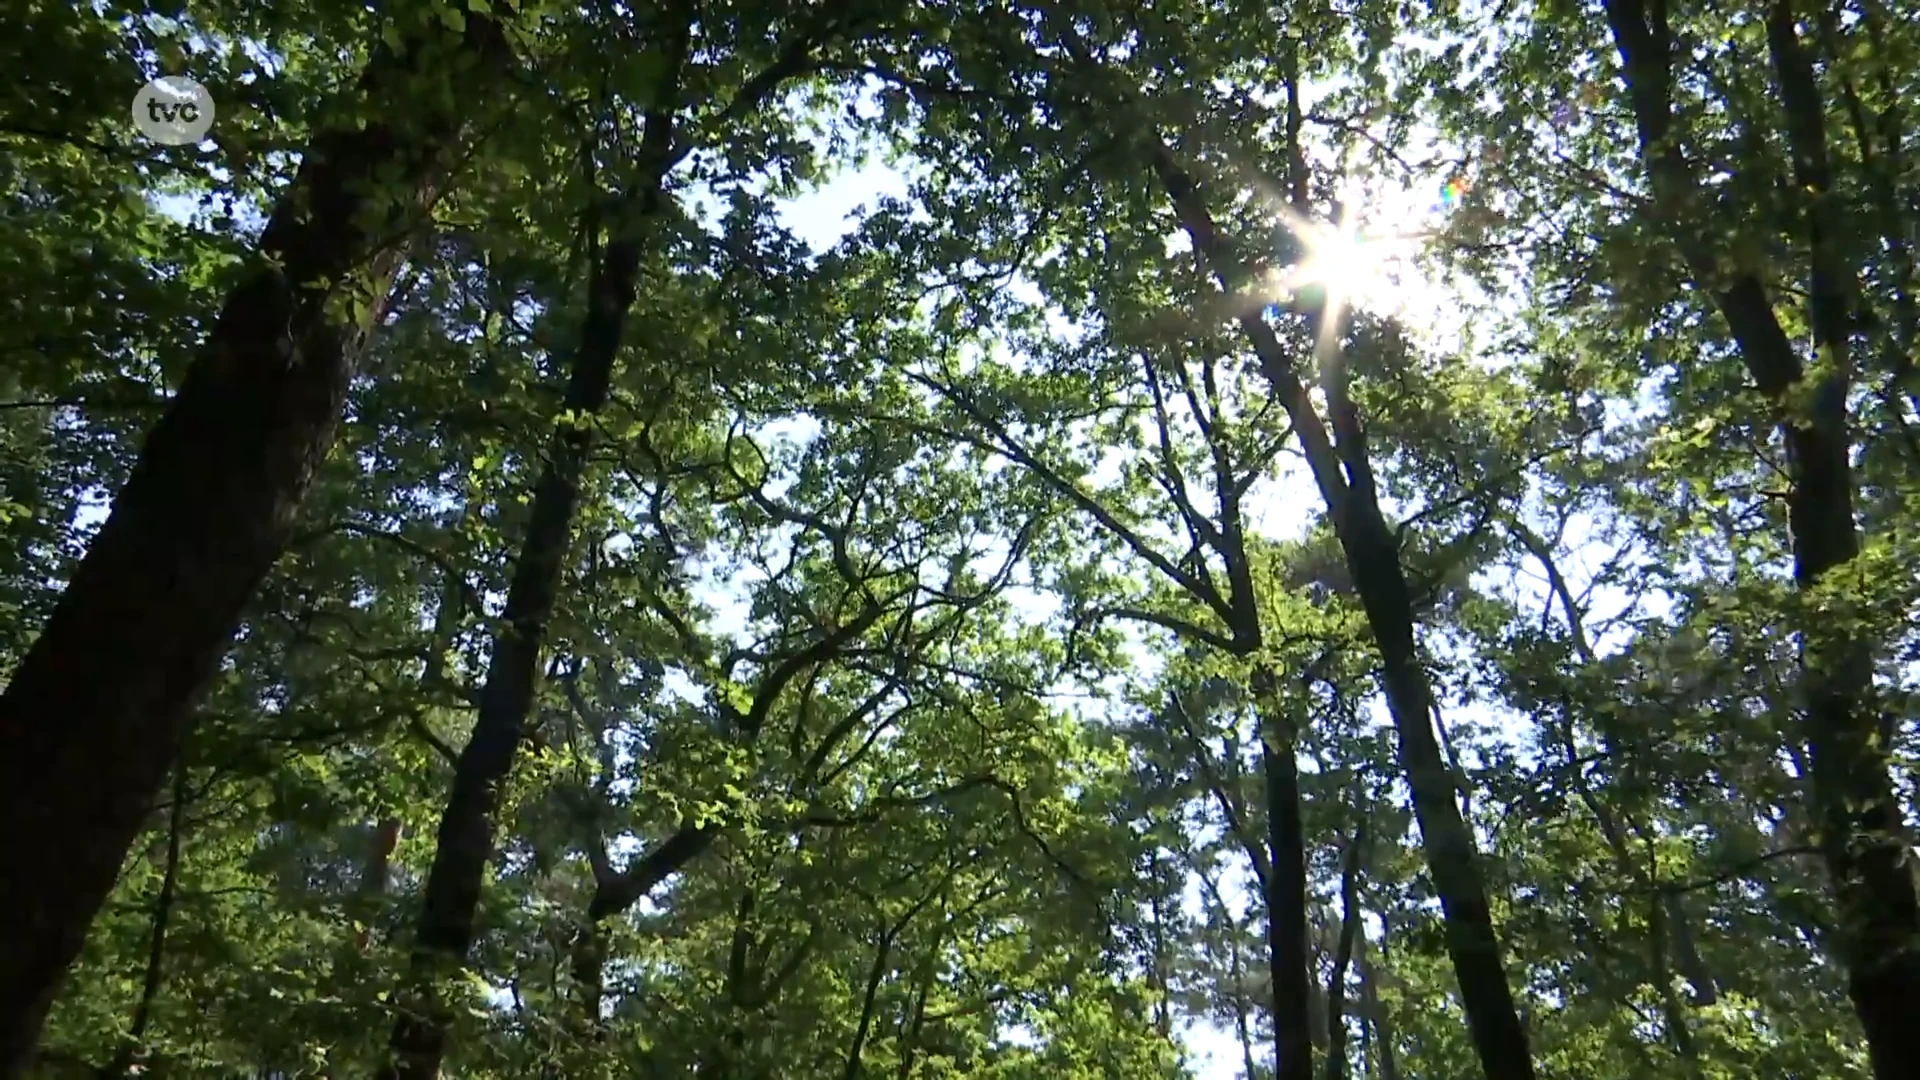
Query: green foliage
(933, 578)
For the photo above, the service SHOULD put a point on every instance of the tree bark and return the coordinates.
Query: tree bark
(157, 939)
(875, 975)
(1157, 961)
(1345, 480)
(1686, 954)
(1343, 956)
(95, 713)
(1344, 477)
(1674, 1013)
(1287, 945)
(1847, 731)
(464, 842)
(1376, 1013)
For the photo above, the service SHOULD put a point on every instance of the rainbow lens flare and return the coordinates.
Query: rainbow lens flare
(1453, 191)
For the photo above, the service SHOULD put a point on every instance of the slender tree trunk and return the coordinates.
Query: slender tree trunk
(1847, 731)
(1451, 853)
(1287, 947)
(1343, 957)
(1686, 954)
(157, 938)
(1849, 734)
(910, 1029)
(1344, 477)
(589, 978)
(1657, 960)
(95, 713)
(1377, 1018)
(875, 975)
(1157, 966)
(465, 837)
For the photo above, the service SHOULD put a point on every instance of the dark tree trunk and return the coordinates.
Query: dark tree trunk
(1287, 946)
(1157, 962)
(1686, 954)
(622, 891)
(1343, 956)
(151, 982)
(95, 713)
(465, 837)
(875, 976)
(1658, 965)
(1377, 1019)
(1847, 731)
(589, 978)
(1344, 477)
(1452, 857)
(464, 842)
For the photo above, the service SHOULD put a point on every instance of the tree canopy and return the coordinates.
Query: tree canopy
(918, 539)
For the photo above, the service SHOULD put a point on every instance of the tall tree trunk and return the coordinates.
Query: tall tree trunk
(1452, 857)
(1343, 957)
(1287, 932)
(1674, 1014)
(95, 713)
(157, 938)
(589, 978)
(1157, 963)
(1374, 559)
(1686, 954)
(1342, 473)
(1847, 731)
(1376, 1013)
(875, 976)
(464, 842)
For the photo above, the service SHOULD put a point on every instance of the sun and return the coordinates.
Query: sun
(1354, 267)
(1338, 260)
(1371, 255)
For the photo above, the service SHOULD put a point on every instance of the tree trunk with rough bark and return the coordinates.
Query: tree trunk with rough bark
(1289, 954)
(1339, 464)
(466, 833)
(464, 842)
(96, 711)
(1846, 729)
(1350, 934)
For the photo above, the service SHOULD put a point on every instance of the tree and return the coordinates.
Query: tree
(1071, 618)
(96, 707)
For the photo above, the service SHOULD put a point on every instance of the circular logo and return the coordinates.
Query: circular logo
(173, 111)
